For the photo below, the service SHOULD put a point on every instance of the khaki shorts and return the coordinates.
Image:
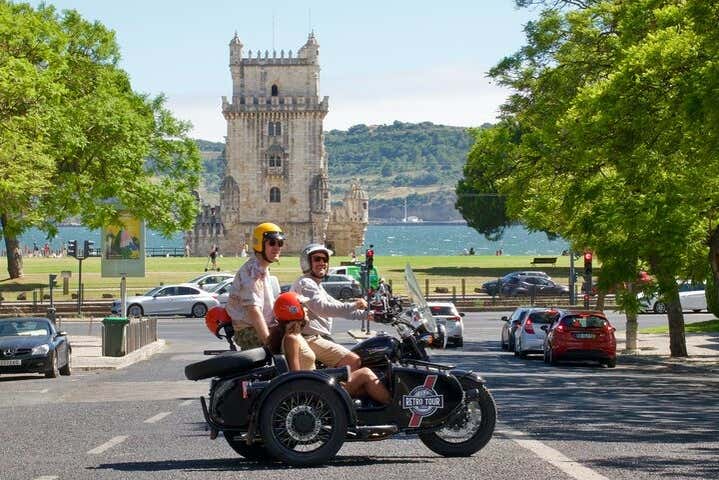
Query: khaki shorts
(326, 351)
(246, 339)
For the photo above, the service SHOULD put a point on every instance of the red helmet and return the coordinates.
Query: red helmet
(288, 308)
(216, 318)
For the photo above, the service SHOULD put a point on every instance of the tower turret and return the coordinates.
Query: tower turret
(235, 50)
(311, 49)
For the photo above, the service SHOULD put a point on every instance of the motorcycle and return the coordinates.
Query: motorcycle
(304, 417)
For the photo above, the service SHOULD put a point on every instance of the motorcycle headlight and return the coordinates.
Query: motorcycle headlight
(41, 349)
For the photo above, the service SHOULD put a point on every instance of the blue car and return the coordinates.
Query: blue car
(33, 345)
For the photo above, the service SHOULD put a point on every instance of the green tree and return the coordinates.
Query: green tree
(611, 152)
(76, 140)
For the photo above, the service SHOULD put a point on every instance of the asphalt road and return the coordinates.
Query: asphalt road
(638, 421)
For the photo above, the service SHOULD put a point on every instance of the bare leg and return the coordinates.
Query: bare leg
(352, 360)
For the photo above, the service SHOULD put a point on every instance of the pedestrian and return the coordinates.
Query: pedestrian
(252, 295)
(213, 256)
(35, 250)
(321, 307)
(188, 250)
(292, 319)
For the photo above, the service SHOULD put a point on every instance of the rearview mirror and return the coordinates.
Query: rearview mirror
(503, 319)
(544, 327)
(461, 314)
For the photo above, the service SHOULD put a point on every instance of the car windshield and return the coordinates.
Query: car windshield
(543, 317)
(221, 287)
(418, 299)
(24, 328)
(152, 292)
(442, 310)
(584, 321)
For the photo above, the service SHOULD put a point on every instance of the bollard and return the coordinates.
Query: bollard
(464, 288)
(426, 288)
(454, 294)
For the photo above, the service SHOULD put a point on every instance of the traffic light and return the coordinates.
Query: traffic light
(88, 248)
(588, 263)
(72, 248)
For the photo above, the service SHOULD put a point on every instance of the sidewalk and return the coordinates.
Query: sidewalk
(87, 354)
(702, 350)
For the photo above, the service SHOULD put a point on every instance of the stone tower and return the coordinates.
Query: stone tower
(276, 164)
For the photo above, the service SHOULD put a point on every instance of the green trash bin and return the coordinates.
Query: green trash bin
(113, 336)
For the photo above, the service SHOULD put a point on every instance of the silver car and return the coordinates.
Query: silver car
(222, 290)
(342, 287)
(182, 299)
(445, 313)
(529, 337)
(208, 281)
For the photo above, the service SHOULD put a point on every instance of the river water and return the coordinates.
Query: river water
(399, 240)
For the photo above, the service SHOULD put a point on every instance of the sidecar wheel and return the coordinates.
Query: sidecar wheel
(303, 423)
(256, 451)
(470, 433)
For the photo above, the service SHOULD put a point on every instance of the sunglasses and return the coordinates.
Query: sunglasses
(321, 259)
(276, 243)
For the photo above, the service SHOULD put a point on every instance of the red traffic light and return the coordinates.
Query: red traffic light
(587, 256)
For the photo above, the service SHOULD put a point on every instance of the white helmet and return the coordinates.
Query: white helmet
(305, 263)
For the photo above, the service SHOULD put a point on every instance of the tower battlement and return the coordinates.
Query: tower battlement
(274, 104)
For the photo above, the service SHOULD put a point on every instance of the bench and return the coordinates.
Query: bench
(544, 261)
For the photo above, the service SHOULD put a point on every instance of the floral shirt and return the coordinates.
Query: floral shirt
(252, 286)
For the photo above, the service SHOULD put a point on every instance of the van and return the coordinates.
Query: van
(354, 272)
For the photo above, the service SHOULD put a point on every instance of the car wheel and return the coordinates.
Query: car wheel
(303, 423)
(545, 357)
(67, 368)
(459, 343)
(552, 357)
(199, 310)
(134, 310)
(611, 363)
(696, 310)
(503, 345)
(660, 307)
(510, 344)
(53, 372)
(255, 451)
(345, 293)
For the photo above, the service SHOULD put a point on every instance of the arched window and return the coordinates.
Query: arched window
(274, 195)
(274, 90)
(274, 129)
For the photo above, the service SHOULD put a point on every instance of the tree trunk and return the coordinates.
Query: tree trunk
(632, 324)
(13, 252)
(601, 295)
(670, 290)
(714, 257)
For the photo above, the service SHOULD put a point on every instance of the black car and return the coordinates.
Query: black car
(510, 325)
(533, 286)
(494, 287)
(33, 345)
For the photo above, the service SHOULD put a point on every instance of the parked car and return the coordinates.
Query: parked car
(529, 336)
(207, 281)
(34, 345)
(533, 286)
(692, 297)
(182, 299)
(581, 335)
(510, 325)
(493, 287)
(342, 287)
(445, 313)
(222, 290)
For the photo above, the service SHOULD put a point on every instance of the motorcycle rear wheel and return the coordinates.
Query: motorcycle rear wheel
(449, 443)
(256, 451)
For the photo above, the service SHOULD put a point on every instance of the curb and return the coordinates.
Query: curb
(116, 363)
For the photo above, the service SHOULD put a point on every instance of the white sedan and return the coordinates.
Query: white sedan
(182, 299)
(691, 296)
(446, 314)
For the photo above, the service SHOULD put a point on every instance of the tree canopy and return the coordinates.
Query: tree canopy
(609, 138)
(75, 139)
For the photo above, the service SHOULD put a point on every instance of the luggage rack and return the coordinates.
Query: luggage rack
(427, 365)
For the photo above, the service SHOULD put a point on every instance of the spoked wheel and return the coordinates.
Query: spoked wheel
(303, 423)
(255, 451)
(470, 432)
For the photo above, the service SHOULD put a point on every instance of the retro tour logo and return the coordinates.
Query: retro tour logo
(422, 401)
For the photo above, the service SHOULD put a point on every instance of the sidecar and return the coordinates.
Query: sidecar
(303, 418)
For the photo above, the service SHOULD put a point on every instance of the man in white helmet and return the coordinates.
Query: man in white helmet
(321, 307)
(252, 295)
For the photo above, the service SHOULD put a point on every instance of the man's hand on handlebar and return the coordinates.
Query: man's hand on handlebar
(361, 304)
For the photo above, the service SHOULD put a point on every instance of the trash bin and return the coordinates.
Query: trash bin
(113, 336)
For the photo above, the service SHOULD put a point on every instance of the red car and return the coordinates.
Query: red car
(581, 335)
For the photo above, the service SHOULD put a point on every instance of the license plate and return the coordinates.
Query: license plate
(584, 335)
(10, 363)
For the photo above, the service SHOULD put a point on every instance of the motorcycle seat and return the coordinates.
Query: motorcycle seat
(228, 363)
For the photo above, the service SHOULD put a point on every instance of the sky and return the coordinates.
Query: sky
(381, 61)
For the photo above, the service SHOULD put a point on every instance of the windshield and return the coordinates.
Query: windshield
(30, 328)
(152, 292)
(415, 294)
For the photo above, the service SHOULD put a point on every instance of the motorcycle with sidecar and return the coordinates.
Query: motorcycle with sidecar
(264, 411)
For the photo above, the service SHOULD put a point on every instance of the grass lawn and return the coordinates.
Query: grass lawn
(710, 326)
(446, 272)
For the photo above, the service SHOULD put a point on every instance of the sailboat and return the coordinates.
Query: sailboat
(411, 218)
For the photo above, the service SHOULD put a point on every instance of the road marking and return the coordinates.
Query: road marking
(47, 477)
(107, 445)
(157, 417)
(187, 402)
(554, 457)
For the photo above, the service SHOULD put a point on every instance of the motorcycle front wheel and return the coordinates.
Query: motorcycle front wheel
(470, 432)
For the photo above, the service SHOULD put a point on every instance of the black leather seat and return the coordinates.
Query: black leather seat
(228, 363)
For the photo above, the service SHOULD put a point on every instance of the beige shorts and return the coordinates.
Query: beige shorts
(327, 352)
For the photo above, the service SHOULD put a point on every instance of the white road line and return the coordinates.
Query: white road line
(555, 457)
(188, 402)
(107, 445)
(157, 417)
(47, 477)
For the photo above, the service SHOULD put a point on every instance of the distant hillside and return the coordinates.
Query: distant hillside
(421, 162)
